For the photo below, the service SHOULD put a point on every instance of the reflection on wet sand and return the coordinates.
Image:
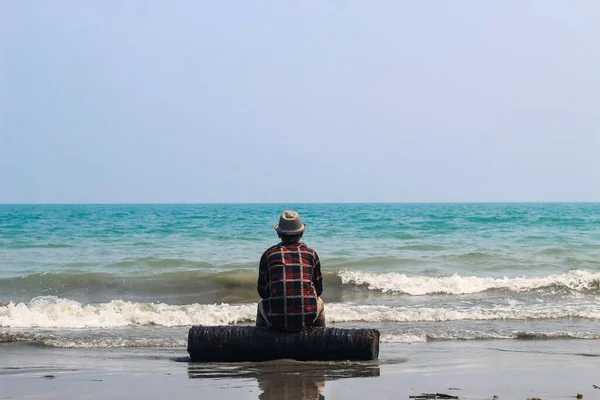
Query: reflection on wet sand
(291, 385)
(287, 379)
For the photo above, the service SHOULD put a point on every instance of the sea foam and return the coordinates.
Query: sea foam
(576, 280)
(482, 335)
(53, 312)
(74, 341)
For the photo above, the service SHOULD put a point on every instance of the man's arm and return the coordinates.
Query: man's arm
(317, 277)
(263, 278)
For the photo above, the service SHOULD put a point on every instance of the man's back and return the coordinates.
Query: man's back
(290, 283)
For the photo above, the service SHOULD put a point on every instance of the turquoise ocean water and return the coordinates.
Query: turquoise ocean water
(140, 275)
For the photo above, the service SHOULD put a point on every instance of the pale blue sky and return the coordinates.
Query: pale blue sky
(339, 101)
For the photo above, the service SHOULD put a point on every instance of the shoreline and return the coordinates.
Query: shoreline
(556, 369)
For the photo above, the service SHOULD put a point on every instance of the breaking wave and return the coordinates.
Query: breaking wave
(575, 280)
(54, 312)
(238, 286)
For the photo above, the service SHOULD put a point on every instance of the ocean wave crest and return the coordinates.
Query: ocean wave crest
(54, 312)
(576, 280)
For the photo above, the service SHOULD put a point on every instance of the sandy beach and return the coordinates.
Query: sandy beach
(471, 370)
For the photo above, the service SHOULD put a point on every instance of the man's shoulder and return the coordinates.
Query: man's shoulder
(308, 249)
(272, 249)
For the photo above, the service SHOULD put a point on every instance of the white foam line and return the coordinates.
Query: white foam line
(577, 280)
(53, 312)
(424, 336)
(357, 313)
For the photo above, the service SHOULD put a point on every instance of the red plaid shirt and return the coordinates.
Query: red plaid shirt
(289, 282)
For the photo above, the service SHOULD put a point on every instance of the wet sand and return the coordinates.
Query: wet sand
(555, 369)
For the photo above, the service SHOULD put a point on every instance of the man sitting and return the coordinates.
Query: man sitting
(290, 280)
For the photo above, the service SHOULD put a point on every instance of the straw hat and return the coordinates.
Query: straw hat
(290, 224)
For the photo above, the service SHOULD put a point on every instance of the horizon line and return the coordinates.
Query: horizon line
(299, 203)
